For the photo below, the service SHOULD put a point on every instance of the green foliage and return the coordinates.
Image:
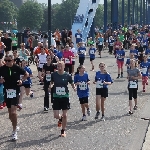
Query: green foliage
(8, 12)
(30, 15)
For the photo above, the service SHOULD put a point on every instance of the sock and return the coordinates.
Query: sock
(60, 119)
(121, 73)
(118, 75)
(102, 115)
(87, 108)
(84, 115)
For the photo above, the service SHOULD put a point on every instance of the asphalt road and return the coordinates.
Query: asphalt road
(39, 131)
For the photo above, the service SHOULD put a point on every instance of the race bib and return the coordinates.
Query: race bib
(60, 91)
(82, 51)
(107, 41)
(99, 84)
(132, 84)
(91, 51)
(14, 42)
(83, 86)
(67, 61)
(73, 59)
(78, 36)
(100, 43)
(148, 56)
(144, 43)
(21, 58)
(119, 57)
(144, 70)
(48, 77)
(11, 93)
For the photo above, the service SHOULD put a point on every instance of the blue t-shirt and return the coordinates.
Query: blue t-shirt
(78, 37)
(60, 54)
(111, 42)
(147, 52)
(135, 52)
(82, 89)
(82, 51)
(128, 63)
(145, 42)
(139, 38)
(1, 88)
(144, 68)
(28, 80)
(100, 41)
(55, 51)
(119, 54)
(92, 52)
(103, 77)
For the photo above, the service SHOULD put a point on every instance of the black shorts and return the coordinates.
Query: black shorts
(1, 55)
(132, 93)
(84, 100)
(61, 103)
(102, 91)
(57, 43)
(11, 101)
(39, 69)
(100, 47)
(73, 63)
(14, 48)
(91, 59)
(81, 60)
(7, 49)
(26, 86)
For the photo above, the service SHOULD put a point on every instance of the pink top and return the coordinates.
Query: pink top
(67, 55)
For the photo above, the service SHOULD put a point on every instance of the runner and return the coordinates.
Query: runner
(14, 42)
(26, 85)
(60, 80)
(102, 80)
(100, 44)
(10, 77)
(2, 47)
(92, 51)
(17, 60)
(133, 74)
(48, 69)
(145, 67)
(81, 53)
(147, 53)
(128, 61)
(111, 44)
(120, 54)
(82, 81)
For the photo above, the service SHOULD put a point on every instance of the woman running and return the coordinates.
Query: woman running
(82, 81)
(100, 44)
(59, 80)
(26, 85)
(48, 69)
(145, 66)
(102, 80)
(92, 51)
(120, 54)
(133, 74)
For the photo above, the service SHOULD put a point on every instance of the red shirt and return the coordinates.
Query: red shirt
(67, 55)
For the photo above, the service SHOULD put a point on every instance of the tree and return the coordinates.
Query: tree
(8, 13)
(30, 15)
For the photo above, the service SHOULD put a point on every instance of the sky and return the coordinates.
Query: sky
(55, 1)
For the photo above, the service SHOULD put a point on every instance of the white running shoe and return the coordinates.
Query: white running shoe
(89, 112)
(17, 128)
(83, 118)
(14, 136)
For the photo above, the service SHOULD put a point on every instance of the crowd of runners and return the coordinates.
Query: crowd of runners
(56, 68)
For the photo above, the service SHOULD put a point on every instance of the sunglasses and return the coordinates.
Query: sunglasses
(7, 60)
(48, 58)
(101, 66)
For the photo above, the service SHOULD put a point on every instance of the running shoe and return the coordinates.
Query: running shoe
(63, 133)
(102, 118)
(83, 118)
(14, 136)
(97, 115)
(130, 112)
(118, 77)
(31, 95)
(88, 112)
(45, 110)
(17, 128)
(143, 90)
(19, 106)
(135, 107)
(1, 106)
(147, 83)
(121, 76)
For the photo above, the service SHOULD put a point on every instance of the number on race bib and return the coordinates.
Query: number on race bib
(48, 77)
(99, 84)
(100, 43)
(83, 86)
(67, 61)
(144, 70)
(91, 51)
(60, 91)
(11, 93)
(132, 84)
(21, 58)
